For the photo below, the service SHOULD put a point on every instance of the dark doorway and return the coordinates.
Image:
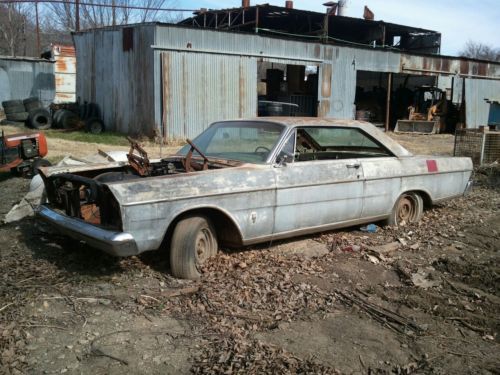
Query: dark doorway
(287, 90)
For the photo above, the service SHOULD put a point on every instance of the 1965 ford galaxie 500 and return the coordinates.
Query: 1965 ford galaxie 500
(248, 181)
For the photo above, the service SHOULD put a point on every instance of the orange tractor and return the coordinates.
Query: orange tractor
(23, 153)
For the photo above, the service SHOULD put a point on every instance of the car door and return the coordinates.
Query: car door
(316, 190)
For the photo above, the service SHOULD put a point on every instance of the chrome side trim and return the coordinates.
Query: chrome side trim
(114, 243)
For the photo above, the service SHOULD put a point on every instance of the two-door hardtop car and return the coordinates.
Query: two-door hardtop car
(247, 181)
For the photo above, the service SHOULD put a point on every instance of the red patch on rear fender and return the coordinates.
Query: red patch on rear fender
(431, 166)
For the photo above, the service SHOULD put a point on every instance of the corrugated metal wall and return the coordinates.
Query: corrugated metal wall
(346, 61)
(476, 107)
(199, 89)
(337, 68)
(24, 78)
(178, 79)
(118, 78)
(207, 75)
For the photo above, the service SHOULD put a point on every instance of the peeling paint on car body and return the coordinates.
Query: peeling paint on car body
(274, 200)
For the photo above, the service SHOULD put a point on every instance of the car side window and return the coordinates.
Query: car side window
(324, 143)
(287, 152)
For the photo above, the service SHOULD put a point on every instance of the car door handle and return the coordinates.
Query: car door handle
(355, 165)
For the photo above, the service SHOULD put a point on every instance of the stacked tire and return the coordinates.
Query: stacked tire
(15, 111)
(29, 111)
(65, 119)
(39, 118)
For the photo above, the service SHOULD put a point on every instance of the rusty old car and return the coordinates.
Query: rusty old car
(248, 181)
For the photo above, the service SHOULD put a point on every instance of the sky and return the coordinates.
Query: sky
(457, 20)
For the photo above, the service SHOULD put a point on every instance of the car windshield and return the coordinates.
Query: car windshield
(238, 140)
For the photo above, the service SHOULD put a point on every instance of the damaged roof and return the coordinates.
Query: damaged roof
(315, 26)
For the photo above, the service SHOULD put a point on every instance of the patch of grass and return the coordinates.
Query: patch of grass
(108, 138)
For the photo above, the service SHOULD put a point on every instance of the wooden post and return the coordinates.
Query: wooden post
(388, 102)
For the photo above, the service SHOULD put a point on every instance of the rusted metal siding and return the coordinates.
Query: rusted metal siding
(65, 73)
(413, 64)
(338, 65)
(199, 89)
(21, 78)
(120, 82)
(476, 107)
(176, 80)
(346, 63)
(204, 75)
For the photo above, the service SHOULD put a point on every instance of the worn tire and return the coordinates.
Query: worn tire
(40, 119)
(32, 103)
(68, 119)
(94, 125)
(38, 163)
(14, 109)
(12, 103)
(56, 118)
(408, 209)
(193, 241)
(20, 117)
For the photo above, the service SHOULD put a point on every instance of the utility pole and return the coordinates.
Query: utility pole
(113, 12)
(77, 15)
(37, 29)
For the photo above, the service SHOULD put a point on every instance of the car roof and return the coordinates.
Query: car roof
(367, 127)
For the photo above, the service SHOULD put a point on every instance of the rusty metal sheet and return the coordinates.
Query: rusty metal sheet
(202, 88)
(120, 82)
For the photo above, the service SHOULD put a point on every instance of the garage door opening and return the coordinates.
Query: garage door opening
(287, 90)
(372, 101)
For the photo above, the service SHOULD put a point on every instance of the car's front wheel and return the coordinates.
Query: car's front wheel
(408, 209)
(193, 241)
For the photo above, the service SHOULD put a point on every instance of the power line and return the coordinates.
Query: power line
(84, 3)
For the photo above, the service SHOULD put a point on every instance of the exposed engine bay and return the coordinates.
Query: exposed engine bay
(85, 194)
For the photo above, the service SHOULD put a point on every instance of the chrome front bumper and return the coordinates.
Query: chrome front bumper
(114, 243)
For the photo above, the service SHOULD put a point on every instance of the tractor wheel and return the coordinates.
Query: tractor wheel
(94, 125)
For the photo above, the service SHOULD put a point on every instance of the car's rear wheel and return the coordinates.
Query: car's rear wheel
(193, 241)
(408, 209)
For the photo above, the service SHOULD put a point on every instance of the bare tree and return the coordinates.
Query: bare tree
(478, 50)
(14, 28)
(105, 13)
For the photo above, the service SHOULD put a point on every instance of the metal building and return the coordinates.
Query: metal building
(24, 77)
(174, 80)
(64, 58)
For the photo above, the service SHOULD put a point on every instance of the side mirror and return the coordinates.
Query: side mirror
(283, 160)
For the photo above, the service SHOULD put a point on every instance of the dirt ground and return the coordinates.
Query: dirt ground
(423, 298)
(59, 148)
